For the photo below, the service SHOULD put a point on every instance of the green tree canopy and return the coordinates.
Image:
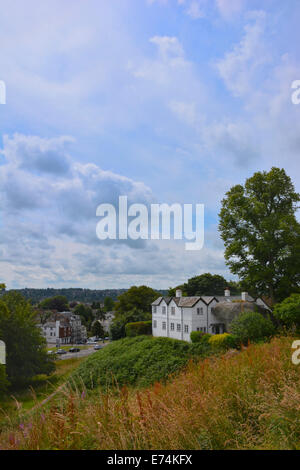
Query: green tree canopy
(206, 284)
(109, 304)
(98, 330)
(261, 233)
(59, 303)
(117, 327)
(288, 311)
(139, 298)
(25, 346)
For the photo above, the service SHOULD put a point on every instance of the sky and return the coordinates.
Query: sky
(164, 101)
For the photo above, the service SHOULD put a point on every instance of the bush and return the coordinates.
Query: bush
(251, 326)
(138, 328)
(196, 336)
(222, 342)
(139, 361)
(288, 311)
(117, 327)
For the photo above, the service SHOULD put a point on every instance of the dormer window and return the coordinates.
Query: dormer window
(164, 310)
(200, 311)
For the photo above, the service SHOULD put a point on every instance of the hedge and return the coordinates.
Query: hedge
(138, 328)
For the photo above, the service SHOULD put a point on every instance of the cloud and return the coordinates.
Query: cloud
(238, 67)
(229, 8)
(195, 10)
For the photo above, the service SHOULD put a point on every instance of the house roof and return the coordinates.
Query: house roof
(191, 301)
(184, 301)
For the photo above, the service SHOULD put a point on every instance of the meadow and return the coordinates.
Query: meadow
(239, 400)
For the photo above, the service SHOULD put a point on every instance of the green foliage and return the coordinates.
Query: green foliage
(86, 315)
(288, 311)
(25, 346)
(261, 233)
(206, 284)
(109, 304)
(59, 303)
(3, 380)
(98, 330)
(222, 342)
(196, 336)
(139, 361)
(139, 298)
(251, 326)
(138, 328)
(117, 327)
(72, 294)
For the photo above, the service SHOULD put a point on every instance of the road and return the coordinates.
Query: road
(82, 353)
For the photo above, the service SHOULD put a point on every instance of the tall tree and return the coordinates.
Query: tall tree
(139, 298)
(108, 304)
(59, 303)
(25, 346)
(261, 233)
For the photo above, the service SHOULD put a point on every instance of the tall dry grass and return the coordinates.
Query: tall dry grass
(248, 400)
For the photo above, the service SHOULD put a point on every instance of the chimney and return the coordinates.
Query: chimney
(244, 296)
(178, 293)
(227, 292)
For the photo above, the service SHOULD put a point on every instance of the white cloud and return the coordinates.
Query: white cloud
(238, 67)
(195, 10)
(229, 8)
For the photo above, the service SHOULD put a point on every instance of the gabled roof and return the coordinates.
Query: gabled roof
(160, 299)
(184, 301)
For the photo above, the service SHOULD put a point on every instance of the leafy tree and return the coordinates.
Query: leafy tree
(207, 284)
(100, 314)
(109, 304)
(25, 345)
(261, 234)
(98, 330)
(117, 327)
(59, 303)
(139, 298)
(251, 326)
(288, 311)
(44, 316)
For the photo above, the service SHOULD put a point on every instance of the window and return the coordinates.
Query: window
(186, 328)
(173, 310)
(200, 311)
(164, 310)
(154, 324)
(164, 325)
(178, 327)
(154, 309)
(172, 326)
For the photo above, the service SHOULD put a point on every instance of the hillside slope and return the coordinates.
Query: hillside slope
(249, 400)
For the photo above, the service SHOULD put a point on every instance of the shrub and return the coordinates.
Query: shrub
(138, 328)
(251, 326)
(288, 311)
(139, 361)
(222, 342)
(196, 336)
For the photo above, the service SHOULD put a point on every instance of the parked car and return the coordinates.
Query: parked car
(61, 351)
(97, 347)
(74, 350)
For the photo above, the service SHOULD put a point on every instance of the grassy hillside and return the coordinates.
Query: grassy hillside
(138, 361)
(247, 400)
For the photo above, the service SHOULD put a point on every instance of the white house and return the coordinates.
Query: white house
(176, 317)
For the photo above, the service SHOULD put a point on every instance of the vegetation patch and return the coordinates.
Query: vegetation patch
(139, 361)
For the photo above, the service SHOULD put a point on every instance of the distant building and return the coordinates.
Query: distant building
(56, 332)
(65, 328)
(176, 317)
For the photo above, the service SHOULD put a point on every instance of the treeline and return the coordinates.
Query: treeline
(72, 294)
